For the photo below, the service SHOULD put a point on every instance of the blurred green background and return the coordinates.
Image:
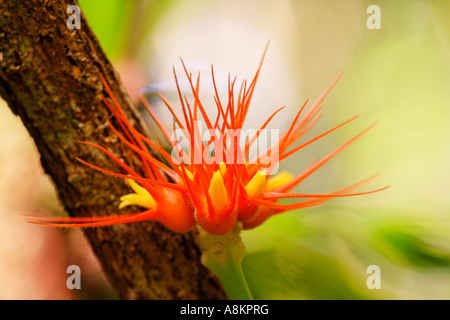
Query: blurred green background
(397, 76)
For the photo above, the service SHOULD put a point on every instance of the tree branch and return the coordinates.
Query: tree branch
(49, 76)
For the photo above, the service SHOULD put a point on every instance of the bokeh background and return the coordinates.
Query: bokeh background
(397, 76)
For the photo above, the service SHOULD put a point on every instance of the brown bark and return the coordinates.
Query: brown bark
(49, 76)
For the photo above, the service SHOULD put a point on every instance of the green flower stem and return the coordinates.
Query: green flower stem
(223, 256)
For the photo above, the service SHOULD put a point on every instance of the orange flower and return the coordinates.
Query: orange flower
(213, 183)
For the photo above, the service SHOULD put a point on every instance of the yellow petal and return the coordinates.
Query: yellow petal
(218, 192)
(138, 200)
(222, 167)
(188, 173)
(138, 189)
(278, 180)
(256, 186)
(123, 204)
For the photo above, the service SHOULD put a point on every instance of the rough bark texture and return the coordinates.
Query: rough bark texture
(49, 76)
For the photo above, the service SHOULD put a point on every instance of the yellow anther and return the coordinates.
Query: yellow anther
(141, 198)
(218, 192)
(138, 200)
(137, 188)
(188, 173)
(256, 186)
(222, 167)
(279, 180)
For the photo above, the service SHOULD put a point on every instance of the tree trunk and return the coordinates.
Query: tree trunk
(49, 76)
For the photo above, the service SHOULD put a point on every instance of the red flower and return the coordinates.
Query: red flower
(215, 191)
